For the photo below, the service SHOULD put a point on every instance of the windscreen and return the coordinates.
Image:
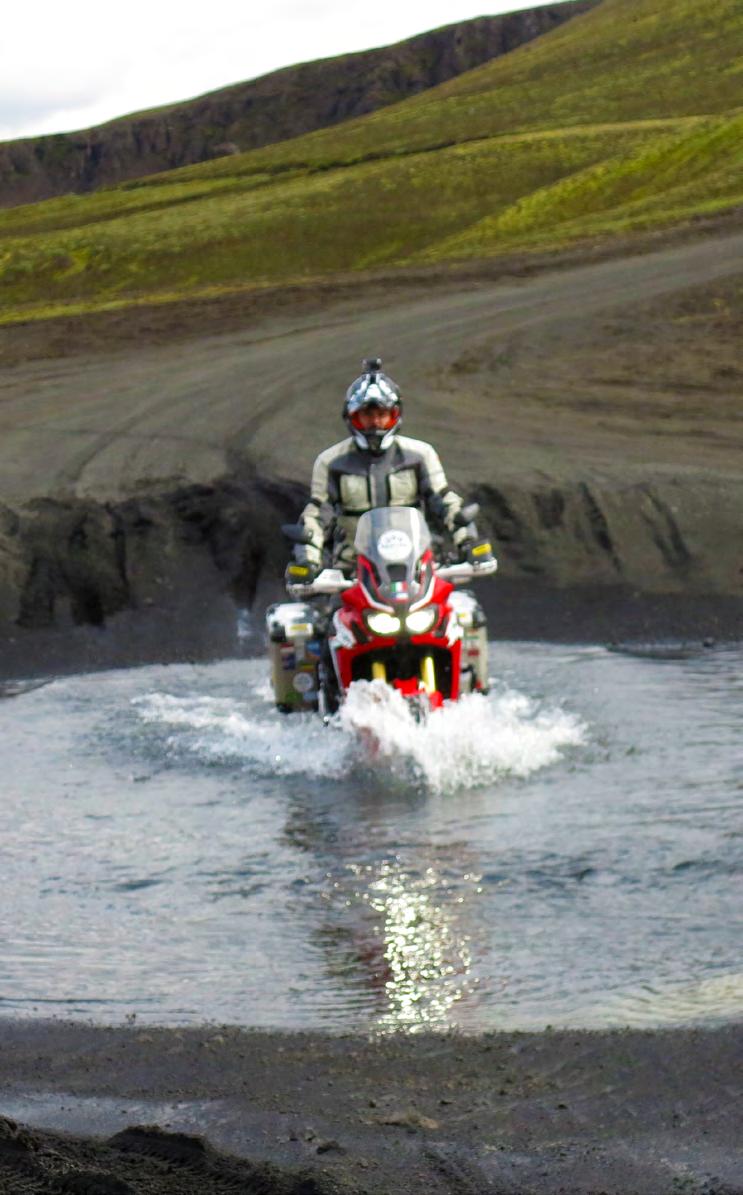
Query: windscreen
(394, 538)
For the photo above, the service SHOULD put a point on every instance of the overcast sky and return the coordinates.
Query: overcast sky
(69, 64)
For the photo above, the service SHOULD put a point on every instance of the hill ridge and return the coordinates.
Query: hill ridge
(619, 157)
(283, 104)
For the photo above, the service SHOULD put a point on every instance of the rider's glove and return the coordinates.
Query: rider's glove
(479, 552)
(300, 572)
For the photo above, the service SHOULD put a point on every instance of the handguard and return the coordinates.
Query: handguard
(466, 570)
(329, 581)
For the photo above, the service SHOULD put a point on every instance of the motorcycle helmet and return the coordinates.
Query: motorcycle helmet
(373, 408)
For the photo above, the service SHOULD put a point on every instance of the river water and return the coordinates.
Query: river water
(566, 851)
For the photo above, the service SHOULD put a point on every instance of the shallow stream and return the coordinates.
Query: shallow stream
(566, 851)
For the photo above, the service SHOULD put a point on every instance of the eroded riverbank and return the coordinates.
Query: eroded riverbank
(187, 574)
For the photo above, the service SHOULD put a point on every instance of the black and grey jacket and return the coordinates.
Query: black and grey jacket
(347, 481)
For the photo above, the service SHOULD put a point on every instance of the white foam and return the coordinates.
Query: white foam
(465, 745)
(219, 730)
(715, 998)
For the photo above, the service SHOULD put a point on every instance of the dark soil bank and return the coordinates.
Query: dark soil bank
(166, 576)
(160, 577)
(647, 1113)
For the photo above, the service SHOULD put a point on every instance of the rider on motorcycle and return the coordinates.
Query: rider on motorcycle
(374, 467)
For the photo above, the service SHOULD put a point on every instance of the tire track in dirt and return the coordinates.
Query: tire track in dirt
(271, 398)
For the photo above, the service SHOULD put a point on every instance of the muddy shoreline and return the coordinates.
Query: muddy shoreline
(647, 1112)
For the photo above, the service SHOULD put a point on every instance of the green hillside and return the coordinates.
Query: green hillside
(628, 117)
(626, 60)
(285, 103)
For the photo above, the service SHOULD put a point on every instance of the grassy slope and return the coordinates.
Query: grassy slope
(624, 118)
(626, 60)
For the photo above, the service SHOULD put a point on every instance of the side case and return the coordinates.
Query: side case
(474, 641)
(294, 654)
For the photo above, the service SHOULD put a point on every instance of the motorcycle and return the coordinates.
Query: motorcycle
(399, 621)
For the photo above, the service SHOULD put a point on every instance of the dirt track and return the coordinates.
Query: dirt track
(592, 407)
(107, 426)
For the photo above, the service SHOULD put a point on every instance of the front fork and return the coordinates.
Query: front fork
(427, 676)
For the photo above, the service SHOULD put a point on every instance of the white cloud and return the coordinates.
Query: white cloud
(72, 65)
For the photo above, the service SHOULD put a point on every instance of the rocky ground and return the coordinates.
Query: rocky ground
(624, 1113)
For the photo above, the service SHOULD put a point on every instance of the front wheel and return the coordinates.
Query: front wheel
(419, 706)
(328, 700)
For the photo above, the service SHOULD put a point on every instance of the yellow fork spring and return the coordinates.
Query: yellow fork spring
(379, 672)
(428, 674)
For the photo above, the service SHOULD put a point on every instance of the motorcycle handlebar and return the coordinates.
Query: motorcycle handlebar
(331, 580)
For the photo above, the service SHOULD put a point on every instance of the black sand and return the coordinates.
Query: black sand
(647, 1113)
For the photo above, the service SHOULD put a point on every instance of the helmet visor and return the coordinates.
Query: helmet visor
(373, 418)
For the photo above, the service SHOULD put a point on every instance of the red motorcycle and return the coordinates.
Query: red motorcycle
(400, 622)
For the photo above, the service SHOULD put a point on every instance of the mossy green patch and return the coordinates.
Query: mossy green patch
(695, 172)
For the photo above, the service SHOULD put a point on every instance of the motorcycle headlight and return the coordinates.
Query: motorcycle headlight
(420, 621)
(380, 623)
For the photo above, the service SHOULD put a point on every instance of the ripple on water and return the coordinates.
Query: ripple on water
(465, 745)
(565, 851)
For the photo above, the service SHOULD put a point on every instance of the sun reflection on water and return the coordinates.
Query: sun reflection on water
(426, 950)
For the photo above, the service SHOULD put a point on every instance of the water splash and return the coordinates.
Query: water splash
(220, 730)
(598, 891)
(465, 745)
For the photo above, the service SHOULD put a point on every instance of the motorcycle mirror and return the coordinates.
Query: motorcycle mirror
(296, 533)
(467, 514)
